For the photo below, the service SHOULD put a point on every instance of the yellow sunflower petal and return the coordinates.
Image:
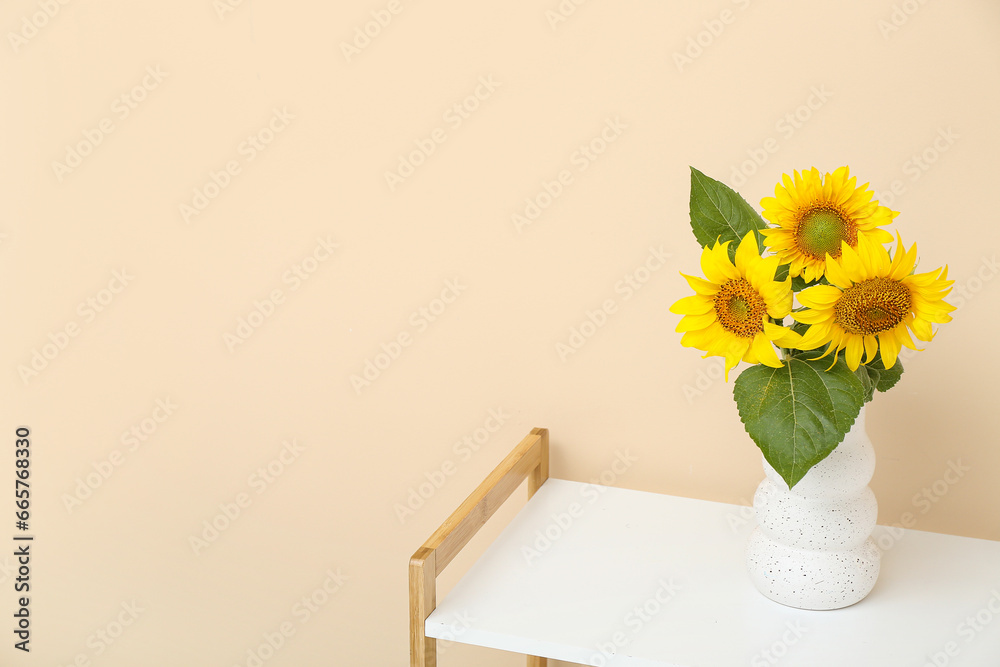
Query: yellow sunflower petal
(836, 274)
(871, 348)
(936, 311)
(903, 334)
(735, 352)
(836, 355)
(701, 286)
(929, 281)
(889, 347)
(709, 267)
(764, 351)
(746, 253)
(693, 305)
(778, 297)
(819, 296)
(922, 329)
(761, 272)
(811, 270)
(703, 339)
(855, 348)
(781, 336)
(816, 336)
(874, 257)
(810, 316)
(859, 199)
(837, 179)
(715, 264)
(879, 236)
(696, 322)
(904, 261)
(852, 264)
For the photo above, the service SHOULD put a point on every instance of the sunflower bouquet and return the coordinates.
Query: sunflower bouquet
(826, 250)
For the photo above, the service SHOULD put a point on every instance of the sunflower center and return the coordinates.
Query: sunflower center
(871, 306)
(821, 230)
(740, 308)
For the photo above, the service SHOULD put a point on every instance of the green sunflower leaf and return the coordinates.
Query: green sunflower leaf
(719, 213)
(800, 328)
(799, 283)
(781, 274)
(887, 378)
(869, 378)
(799, 413)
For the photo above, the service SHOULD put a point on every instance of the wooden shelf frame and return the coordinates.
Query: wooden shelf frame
(530, 459)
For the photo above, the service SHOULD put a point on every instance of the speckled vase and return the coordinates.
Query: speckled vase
(812, 547)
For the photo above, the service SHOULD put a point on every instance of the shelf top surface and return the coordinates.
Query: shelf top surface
(612, 577)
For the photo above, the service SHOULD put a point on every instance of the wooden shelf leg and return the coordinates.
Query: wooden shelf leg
(535, 481)
(540, 473)
(423, 600)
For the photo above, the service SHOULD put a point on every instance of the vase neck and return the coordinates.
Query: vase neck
(859, 423)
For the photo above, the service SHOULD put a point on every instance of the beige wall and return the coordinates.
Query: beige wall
(336, 125)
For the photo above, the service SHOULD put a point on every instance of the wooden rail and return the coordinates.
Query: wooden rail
(529, 459)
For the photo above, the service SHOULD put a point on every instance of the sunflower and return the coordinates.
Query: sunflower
(873, 297)
(728, 316)
(815, 215)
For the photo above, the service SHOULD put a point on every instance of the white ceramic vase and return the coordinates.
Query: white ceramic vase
(812, 547)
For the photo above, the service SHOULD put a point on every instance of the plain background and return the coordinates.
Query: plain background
(889, 84)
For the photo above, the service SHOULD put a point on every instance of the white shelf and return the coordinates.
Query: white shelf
(624, 547)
